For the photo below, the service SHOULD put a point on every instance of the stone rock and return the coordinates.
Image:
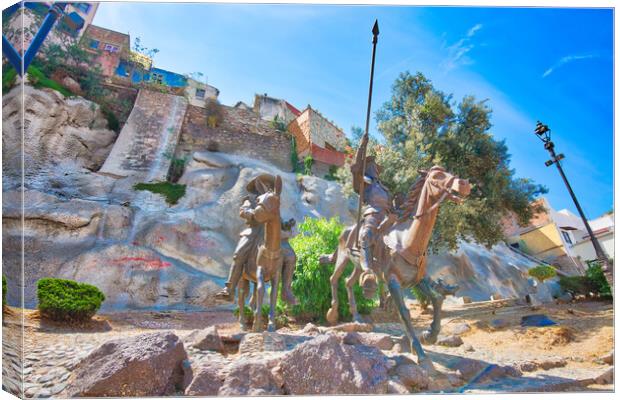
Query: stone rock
(251, 378)
(55, 128)
(564, 298)
(606, 377)
(71, 84)
(206, 339)
(270, 342)
(466, 299)
(382, 341)
(499, 323)
(528, 366)
(469, 348)
(350, 327)
(413, 376)
(607, 358)
(395, 386)
(149, 364)
(208, 376)
(137, 277)
(349, 370)
(310, 329)
(496, 296)
(450, 341)
(553, 362)
(460, 329)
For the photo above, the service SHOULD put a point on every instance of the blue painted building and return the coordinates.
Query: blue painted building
(127, 69)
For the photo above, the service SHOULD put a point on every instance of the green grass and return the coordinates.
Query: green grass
(171, 191)
(39, 80)
(9, 76)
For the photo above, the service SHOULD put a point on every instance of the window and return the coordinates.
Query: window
(566, 237)
(200, 93)
(111, 48)
(94, 44)
(82, 7)
(157, 78)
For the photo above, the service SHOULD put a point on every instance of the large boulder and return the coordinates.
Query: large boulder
(253, 377)
(138, 277)
(150, 364)
(54, 129)
(324, 366)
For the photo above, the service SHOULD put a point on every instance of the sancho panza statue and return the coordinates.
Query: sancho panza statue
(249, 239)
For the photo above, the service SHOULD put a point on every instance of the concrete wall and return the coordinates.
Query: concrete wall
(240, 132)
(151, 132)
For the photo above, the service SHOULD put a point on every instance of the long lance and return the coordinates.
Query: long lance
(375, 34)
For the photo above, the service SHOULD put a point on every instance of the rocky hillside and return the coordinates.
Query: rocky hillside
(93, 227)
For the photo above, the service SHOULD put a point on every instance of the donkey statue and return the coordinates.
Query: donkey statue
(400, 260)
(265, 262)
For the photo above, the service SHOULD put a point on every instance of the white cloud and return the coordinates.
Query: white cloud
(566, 60)
(457, 53)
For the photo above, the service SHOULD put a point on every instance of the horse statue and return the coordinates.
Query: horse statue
(400, 260)
(265, 261)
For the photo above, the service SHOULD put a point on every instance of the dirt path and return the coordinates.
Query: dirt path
(492, 335)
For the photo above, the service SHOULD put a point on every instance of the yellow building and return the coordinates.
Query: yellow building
(549, 236)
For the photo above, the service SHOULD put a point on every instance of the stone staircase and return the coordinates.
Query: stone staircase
(148, 139)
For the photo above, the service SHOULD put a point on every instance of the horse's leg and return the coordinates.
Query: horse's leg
(430, 336)
(244, 286)
(405, 317)
(253, 298)
(349, 285)
(341, 263)
(275, 283)
(260, 292)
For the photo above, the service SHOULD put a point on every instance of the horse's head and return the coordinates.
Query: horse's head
(441, 183)
(268, 203)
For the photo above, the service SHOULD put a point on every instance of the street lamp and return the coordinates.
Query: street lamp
(543, 132)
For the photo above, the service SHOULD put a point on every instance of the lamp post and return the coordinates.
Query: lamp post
(544, 134)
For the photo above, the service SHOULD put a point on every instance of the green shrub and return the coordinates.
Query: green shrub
(66, 300)
(542, 272)
(311, 283)
(3, 290)
(294, 157)
(595, 274)
(308, 161)
(39, 80)
(171, 191)
(592, 282)
(9, 76)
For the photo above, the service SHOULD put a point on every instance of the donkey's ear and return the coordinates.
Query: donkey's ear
(262, 188)
(278, 185)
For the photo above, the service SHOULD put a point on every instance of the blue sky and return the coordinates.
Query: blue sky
(551, 64)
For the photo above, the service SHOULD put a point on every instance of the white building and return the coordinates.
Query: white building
(603, 229)
(198, 93)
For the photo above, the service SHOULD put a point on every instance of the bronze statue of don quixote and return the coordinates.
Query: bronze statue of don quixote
(388, 243)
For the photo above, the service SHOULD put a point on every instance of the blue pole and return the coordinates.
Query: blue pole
(53, 14)
(55, 11)
(12, 55)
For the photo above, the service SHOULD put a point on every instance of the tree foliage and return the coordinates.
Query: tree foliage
(542, 272)
(421, 127)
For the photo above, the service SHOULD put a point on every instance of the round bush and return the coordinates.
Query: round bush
(66, 300)
(542, 272)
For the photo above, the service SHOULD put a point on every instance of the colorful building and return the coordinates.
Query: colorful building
(319, 138)
(108, 47)
(549, 236)
(24, 23)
